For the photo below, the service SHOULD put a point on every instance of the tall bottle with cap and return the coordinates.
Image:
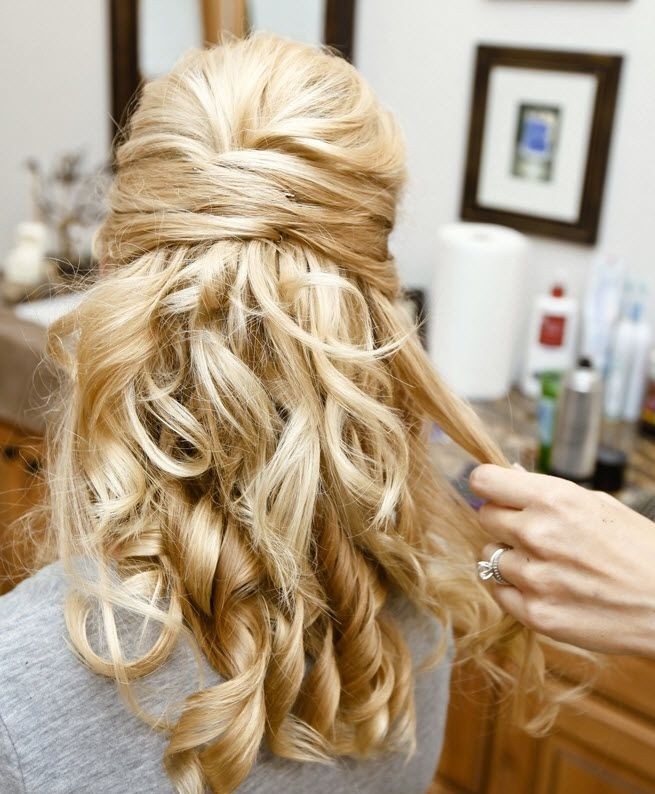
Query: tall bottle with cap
(578, 424)
(552, 336)
(642, 339)
(628, 360)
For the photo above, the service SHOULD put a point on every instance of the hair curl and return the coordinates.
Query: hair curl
(244, 446)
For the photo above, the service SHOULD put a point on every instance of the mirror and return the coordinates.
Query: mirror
(148, 36)
(283, 17)
(165, 29)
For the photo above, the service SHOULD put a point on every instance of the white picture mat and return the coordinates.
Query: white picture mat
(509, 88)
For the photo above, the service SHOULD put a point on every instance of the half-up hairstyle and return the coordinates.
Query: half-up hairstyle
(243, 449)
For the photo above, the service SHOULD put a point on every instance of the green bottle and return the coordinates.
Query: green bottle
(546, 409)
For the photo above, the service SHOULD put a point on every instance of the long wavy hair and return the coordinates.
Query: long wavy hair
(243, 447)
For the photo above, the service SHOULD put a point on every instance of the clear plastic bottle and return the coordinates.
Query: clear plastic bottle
(640, 357)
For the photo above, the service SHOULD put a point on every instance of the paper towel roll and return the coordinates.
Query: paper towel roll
(476, 307)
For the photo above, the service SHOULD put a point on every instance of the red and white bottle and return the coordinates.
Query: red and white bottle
(552, 337)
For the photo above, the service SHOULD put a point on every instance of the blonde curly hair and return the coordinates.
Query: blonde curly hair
(243, 448)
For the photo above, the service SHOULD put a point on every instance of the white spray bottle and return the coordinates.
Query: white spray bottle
(642, 340)
(621, 358)
(552, 336)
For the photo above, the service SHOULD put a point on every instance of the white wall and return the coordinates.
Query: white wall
(54, 92)
(419, 56)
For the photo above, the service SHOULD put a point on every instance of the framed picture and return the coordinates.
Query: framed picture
(539, 138)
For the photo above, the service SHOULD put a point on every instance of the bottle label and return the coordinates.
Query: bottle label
(546, 420)
(552, 331)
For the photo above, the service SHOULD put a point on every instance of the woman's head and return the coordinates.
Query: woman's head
(262, 140)
(244, 448)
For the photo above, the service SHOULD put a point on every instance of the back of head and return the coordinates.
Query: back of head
(244, 447)
(260, 140)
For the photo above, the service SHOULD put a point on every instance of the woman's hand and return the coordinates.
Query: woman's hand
(582, 565)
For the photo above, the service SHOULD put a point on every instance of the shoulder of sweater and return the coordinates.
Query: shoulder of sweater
(33, 613)
(38, 595)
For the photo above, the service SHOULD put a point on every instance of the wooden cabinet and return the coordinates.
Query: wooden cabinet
(467, 746)
(20, 489)
(603, 743)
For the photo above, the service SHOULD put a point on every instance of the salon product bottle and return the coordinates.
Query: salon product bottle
(611, 464)
(552, 336)
(621, 359)
(578, 424)
(546, 412)
(640, 356)
(602, 309)
(647, 420)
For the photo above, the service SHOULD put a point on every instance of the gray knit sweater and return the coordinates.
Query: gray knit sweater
(64, 730)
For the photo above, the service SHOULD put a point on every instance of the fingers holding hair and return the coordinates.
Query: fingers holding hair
(508, 487)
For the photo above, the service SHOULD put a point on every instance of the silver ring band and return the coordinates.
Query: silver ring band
(489, 569)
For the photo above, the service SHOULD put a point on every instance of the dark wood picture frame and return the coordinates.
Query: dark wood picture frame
(124, 40)
(607, 69)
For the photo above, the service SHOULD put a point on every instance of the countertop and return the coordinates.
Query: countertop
(512, 421)
(26, 381)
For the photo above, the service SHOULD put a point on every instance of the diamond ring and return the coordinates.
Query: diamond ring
(488, 569)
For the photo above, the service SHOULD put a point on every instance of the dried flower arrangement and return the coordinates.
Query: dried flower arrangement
(70, 200)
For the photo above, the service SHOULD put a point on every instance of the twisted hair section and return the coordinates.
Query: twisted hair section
(243, 448)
